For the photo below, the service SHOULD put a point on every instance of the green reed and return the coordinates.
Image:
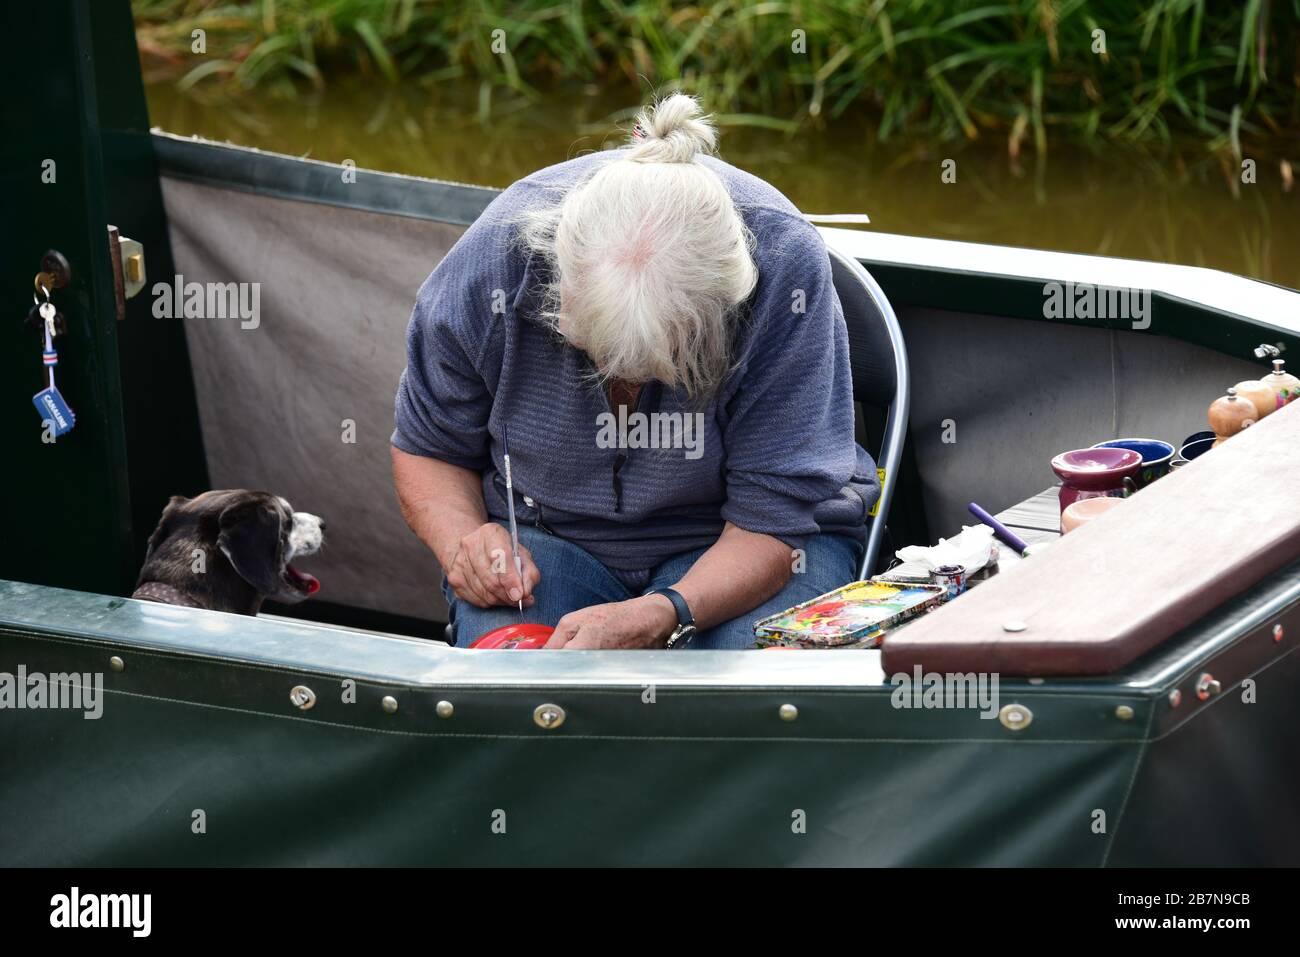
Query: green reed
(939, 70)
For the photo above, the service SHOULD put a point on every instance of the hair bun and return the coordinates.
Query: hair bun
(674, 130)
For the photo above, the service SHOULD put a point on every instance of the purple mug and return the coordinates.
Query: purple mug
(1096, 473)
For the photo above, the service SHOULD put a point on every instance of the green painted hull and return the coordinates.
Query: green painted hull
(200, 719)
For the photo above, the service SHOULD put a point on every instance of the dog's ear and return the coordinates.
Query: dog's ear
(250, 538)
(164, 524)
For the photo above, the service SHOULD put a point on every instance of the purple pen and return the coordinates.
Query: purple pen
(1000, 530)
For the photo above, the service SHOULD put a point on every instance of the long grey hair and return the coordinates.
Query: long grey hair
(648, 257)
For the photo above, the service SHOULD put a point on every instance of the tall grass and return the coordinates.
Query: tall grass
(1025, 71)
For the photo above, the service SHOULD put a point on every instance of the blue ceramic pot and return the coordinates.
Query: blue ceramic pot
(1197, 447)
(1156, 456)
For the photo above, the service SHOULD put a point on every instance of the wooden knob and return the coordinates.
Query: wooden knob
(1230, 414)
(1259, 394)
(1285, 386)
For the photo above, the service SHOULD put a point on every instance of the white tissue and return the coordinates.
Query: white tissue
(973, 549)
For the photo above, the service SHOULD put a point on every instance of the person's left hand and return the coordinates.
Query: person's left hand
(644, 622)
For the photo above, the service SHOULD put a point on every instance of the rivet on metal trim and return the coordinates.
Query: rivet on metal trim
(303, 698)
(445, 709)
(787, 712)
(389, 704)
(1124, 712)
(1175, 698)
(1207, 685)
(1278, 633)
(116, 663)
(548, 716)
(1014, 626)
(1015, 717)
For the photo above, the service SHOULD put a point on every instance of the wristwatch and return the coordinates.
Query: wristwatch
(685, 630)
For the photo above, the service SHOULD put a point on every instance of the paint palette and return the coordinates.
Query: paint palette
(854, 616)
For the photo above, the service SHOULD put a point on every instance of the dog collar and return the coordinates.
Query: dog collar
(168, 595)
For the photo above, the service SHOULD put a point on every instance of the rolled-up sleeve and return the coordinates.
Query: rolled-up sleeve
(443, 401)
(789, 435)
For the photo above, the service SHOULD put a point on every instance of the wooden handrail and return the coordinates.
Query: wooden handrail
(1118, 586)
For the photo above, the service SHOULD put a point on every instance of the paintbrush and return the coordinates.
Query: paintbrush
(510, 504)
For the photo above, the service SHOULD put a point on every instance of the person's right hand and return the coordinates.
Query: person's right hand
(483, 570)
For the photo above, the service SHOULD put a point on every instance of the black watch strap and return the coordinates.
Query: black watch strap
(685, 630)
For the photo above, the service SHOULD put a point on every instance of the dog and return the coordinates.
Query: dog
(229, 551)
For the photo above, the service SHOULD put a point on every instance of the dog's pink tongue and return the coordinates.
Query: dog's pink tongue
(312, 583)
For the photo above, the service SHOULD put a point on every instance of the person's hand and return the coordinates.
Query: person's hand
(483, 569)
(644, 622)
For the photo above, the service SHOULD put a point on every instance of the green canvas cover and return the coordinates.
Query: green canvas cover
(661, 759)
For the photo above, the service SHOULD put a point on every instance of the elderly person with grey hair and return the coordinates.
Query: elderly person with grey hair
(658, 332)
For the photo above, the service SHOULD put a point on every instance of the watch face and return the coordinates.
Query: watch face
(681, 636)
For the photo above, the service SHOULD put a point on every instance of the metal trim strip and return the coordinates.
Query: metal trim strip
(307, 180)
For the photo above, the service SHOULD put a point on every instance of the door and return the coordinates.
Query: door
(76, 157)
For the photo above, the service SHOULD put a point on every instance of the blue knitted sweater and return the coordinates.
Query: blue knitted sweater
(772, 451)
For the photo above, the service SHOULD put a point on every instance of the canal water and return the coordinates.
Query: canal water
(1178, 203)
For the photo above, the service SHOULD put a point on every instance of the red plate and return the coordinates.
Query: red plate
(515, 636)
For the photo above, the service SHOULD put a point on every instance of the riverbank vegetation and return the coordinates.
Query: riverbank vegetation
(1026, 73)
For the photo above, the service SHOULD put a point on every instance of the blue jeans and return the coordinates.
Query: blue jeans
(573, 578)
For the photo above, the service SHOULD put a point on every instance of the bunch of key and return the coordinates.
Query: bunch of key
(55, 413)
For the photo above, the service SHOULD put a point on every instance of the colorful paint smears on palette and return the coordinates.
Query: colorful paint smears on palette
(855, 615)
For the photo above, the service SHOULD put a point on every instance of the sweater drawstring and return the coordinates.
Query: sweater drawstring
(618, 482)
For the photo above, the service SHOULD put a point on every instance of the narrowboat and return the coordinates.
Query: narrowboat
(1146, 707)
